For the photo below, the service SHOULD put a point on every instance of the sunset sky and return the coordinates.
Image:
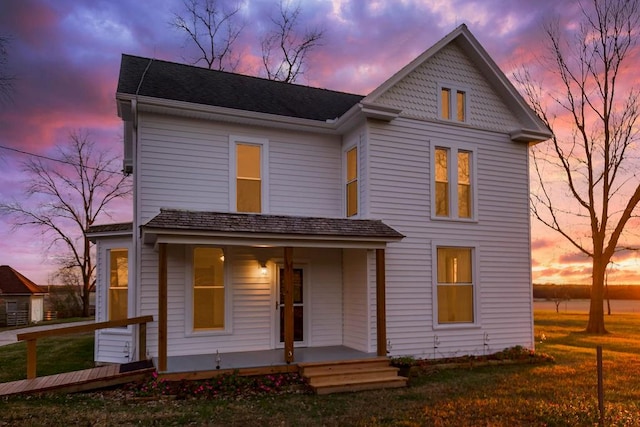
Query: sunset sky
(65, 56)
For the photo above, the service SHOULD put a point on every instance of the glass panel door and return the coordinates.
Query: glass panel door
(298, 306)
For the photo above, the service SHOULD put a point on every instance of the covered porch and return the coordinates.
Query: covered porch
(279, 244)
(260, 359)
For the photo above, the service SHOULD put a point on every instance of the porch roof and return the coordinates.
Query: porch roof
(182, 226)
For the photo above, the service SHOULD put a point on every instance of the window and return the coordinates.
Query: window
(208, 289)
(352, 182)
(118, 284)
(453, 103)
(249, 183)
(453, 192)
(455, 287)
(248, 174)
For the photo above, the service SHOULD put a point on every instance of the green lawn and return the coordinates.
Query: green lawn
(560, 394)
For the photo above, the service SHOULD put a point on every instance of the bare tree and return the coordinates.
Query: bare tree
(6, 80)
(68, 195)
(595, 159)
(213, 29)
(285, 50)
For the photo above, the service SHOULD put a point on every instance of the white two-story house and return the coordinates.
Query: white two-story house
(275, 220)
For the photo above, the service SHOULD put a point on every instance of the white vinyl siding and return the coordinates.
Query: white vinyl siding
(401, 191)
(355, 299)
(185, 164)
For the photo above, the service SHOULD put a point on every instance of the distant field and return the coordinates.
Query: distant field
(631, 292)
(618, 306)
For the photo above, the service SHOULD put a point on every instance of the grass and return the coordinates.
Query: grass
(54, 355)
(560, 394)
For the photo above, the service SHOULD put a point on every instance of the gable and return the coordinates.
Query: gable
(417, 93)
(12, 282)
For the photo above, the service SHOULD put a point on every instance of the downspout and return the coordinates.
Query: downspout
(136, 235)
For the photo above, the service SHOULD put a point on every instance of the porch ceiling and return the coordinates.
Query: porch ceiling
(191, 227)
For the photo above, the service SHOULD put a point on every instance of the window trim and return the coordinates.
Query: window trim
(188, 297)
(234, 140)
(347, 182)
(454, 148)
(475, 274)
(453, 102)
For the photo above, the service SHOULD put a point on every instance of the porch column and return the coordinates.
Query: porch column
(288, 304)
(162, 307)
(381, 314)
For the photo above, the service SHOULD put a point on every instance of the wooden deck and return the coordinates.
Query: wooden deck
(71, 382)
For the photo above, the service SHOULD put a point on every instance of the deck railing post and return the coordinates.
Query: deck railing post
(142, 341)
(32, 337)
(31, 359)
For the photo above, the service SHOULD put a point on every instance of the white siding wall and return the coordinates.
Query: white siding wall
(356, 300)
(184, 164)
(400, 195)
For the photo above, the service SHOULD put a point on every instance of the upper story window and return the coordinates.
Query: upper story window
(117, 300)
(453, 103)
(352, 182)
(453, 182)
(208, 289)
(248, 174)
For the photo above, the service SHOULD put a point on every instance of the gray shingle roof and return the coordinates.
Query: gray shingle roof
(168, 80)
(170, 219)
(110, 228)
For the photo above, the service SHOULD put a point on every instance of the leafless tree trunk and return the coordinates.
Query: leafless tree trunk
(6, 80)
(284, 50)
(63, 198)
(591, 164)
(213, 29)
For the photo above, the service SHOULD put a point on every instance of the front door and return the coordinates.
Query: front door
(299, 333)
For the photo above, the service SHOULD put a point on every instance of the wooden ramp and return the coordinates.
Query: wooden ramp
(351, 375)
(72, 382)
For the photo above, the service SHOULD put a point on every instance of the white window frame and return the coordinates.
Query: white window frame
(453, 149)
(102, 306)
(345, 182)
(188, 299)
(453, 104)
(234, 140)
(475, 271)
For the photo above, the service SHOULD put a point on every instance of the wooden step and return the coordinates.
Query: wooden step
(377, 373)
(323, 368)
(351, 375)
(361, 386)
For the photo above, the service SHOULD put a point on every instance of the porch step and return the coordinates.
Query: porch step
(351, 375)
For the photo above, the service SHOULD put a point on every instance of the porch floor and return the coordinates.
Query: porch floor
(262, 358)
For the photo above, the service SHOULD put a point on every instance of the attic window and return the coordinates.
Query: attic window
(453, 103)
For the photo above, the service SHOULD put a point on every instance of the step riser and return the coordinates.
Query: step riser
(388, 372)
(348, 367)
(360, 387)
